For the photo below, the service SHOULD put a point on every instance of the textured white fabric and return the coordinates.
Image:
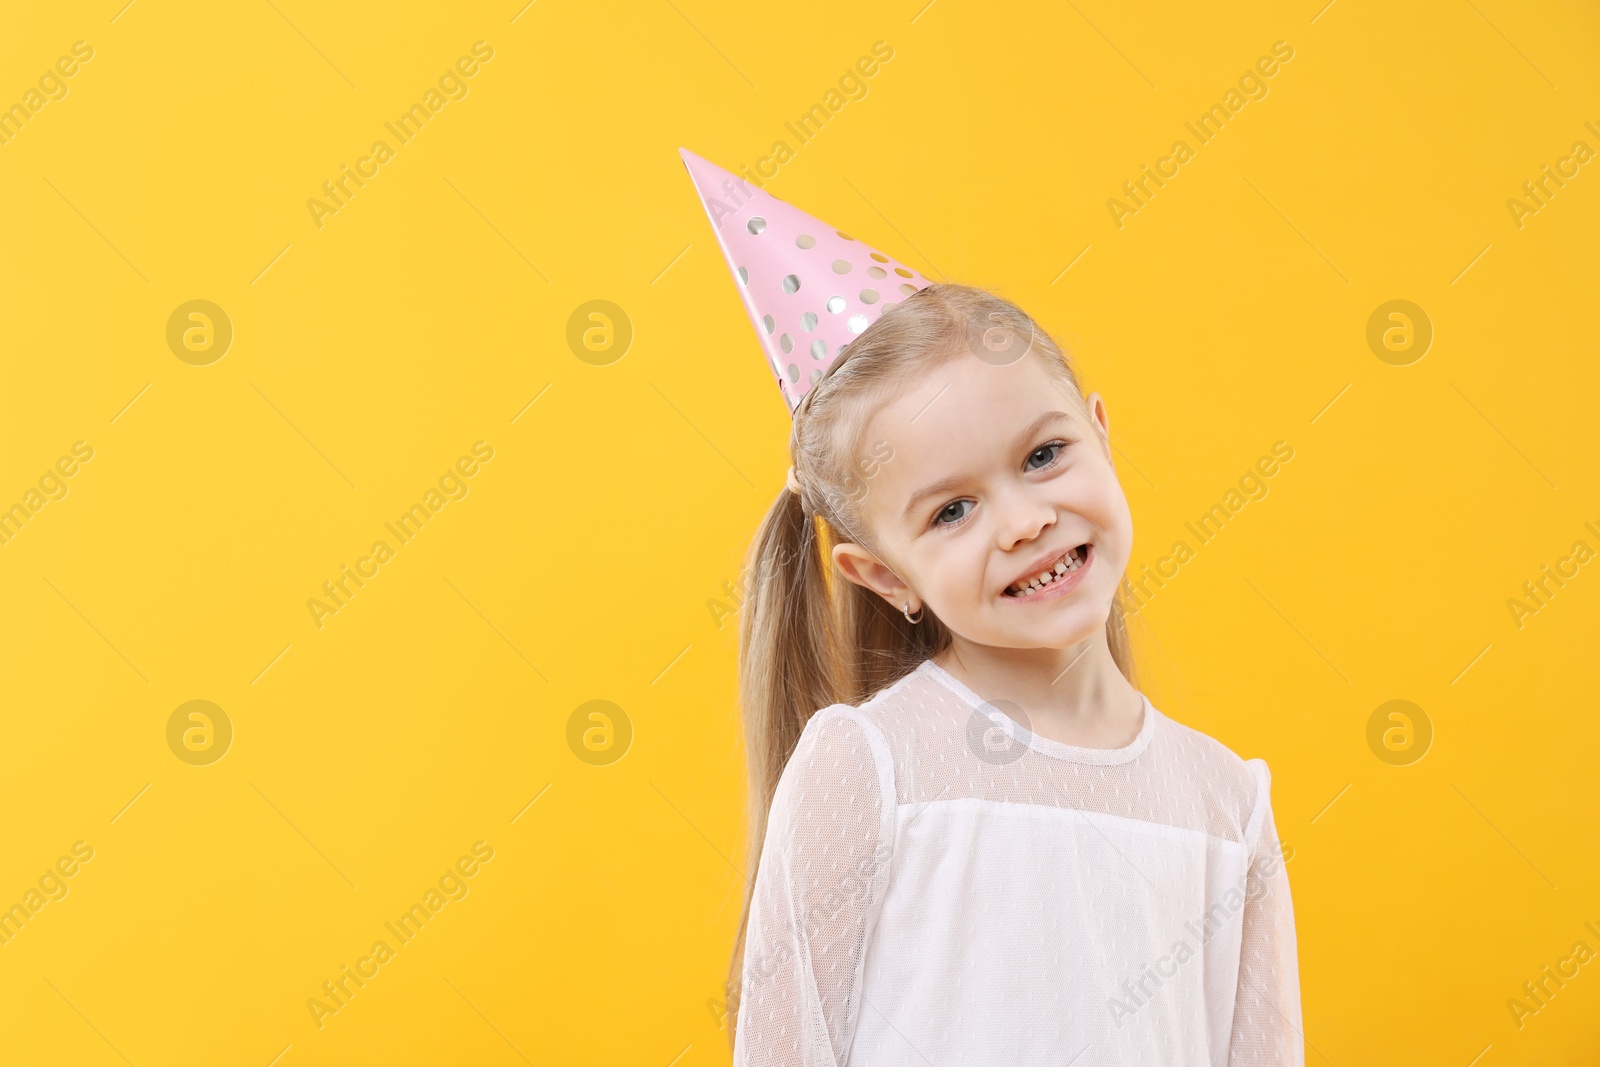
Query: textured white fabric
(939, 887)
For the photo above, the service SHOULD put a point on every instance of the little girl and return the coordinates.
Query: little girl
(973, 839)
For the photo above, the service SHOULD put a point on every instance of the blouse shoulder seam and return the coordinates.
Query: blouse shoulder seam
(877, 743)
(1261, 776)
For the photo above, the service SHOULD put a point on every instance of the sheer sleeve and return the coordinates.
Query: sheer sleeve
(1266, 1016)
(819, 884)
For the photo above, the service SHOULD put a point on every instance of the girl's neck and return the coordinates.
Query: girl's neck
(1075, 695)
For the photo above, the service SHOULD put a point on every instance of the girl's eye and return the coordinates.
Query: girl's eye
(944, 512)
(1054, 448)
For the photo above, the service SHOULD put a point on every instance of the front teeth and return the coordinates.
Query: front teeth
(1071, 562)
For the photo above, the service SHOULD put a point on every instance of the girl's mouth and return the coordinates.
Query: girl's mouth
(1061, 578)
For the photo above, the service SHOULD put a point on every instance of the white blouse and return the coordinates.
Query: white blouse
(939, 886)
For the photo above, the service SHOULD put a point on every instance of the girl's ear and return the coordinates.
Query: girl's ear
(1097, 411)
(865, 569)
(1096, 405)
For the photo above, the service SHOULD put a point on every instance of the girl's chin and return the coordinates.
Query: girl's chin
(1062, 626)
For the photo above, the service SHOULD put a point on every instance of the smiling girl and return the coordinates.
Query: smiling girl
(973, 839)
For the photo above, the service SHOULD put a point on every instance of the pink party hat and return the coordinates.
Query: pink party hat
(808, 288)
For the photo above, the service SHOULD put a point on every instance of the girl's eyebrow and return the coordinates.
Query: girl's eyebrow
(945, 485)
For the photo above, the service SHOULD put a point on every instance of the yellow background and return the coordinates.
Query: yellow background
(430, 312)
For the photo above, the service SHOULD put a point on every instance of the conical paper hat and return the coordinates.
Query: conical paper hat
(808, 288)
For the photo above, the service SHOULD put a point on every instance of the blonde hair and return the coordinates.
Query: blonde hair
(806, 639)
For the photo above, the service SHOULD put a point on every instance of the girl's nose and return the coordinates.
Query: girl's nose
(1025, 513)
